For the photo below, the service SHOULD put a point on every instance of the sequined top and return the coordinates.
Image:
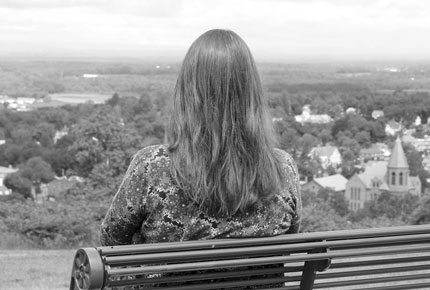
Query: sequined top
(150, 208)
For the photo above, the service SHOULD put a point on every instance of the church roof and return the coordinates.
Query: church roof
(336, 182)
(374, 169)
(398, 158)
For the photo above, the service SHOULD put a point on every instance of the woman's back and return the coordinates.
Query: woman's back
(150, 207)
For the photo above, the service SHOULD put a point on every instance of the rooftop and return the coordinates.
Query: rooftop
(336, 182)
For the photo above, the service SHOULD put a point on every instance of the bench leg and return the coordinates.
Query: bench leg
(310, 270)
(308, 276)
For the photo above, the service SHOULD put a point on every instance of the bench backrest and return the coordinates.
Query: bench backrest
(380, 258)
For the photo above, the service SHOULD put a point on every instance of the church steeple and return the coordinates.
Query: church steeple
(398, 157)
(398, 169)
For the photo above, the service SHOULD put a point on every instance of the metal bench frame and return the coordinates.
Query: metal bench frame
(397, 257)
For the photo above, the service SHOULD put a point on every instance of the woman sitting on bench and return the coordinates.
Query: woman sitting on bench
(220, 176)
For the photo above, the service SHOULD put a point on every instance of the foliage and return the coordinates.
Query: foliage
(319, 216)
(421, 215)
(392, 206)
(52, 225)
(18, 184)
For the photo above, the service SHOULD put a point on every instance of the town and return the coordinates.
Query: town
(360, 137)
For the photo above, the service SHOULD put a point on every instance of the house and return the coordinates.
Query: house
(379, 176)
(336, 182)
(274, 119)
(327, 155)
(417, 121)
(426, 163)
(4, 190)
(59, 134)
(374, 152)
(377, 114)
(308, 117)
(3, 172)
(351, 110)
(392, 128)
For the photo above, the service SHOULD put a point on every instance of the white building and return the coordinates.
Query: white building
(3, 172)
(327, 155)
(308, 117)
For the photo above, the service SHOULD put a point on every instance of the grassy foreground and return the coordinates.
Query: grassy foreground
(35, 269)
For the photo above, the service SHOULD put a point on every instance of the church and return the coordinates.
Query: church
(379, 176)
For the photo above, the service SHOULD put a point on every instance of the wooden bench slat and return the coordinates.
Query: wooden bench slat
(218, 285)
(423, 285)
(282, 239)
(256, 251)
(376, 280)
(209, 276)
(265, 260)
(384, 270)
(421, 258)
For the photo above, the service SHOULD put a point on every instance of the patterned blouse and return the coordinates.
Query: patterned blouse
(150, 208)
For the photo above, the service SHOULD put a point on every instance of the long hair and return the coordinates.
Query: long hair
(221, 140)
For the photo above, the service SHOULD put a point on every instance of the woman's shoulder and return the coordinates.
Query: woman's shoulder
(287, 161)
(150, 153)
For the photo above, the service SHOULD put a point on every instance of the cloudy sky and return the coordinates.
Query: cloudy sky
(286, 30)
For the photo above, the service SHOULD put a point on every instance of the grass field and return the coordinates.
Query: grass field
(35, 269)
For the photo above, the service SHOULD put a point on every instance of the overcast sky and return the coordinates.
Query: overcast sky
(164, 29)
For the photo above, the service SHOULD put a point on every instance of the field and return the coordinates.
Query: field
(35, 269)
(76, 98)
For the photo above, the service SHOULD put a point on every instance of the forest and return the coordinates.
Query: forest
(99, 140)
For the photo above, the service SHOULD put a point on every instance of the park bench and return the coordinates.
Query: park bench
(378, 258)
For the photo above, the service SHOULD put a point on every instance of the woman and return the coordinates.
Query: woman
(220, 176)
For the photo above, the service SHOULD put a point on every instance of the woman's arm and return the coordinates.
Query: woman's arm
(126, 213)
(292, 186)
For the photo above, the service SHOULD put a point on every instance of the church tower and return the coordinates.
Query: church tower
(398, 169)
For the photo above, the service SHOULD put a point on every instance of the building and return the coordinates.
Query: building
(3, 172)
(376, 114)
(372, 153)
(308, 117)
(336, 182)
(60, 134)
(392, 128)
(327, 155)
(379, 176)
(351, 110)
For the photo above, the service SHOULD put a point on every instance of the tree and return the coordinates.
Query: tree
(18, 184)
(37, 171)
(421, 215)
(114, 100)
(392, 206)
(415, 162)
(103, 138)
(363, 138)
(336, 200)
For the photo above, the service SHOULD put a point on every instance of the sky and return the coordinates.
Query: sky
(275, 30)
